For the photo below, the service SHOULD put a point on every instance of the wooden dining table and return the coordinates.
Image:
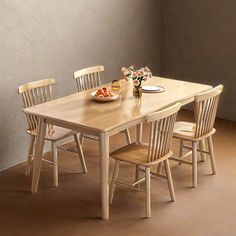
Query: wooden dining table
(81, 113)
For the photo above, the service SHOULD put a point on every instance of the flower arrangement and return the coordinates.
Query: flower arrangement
(137, 76)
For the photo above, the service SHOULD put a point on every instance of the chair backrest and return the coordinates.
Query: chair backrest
(161, 131)
(206, 105)
(88, 78)
(34, 93)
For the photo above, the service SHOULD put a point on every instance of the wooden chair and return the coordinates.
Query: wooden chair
(35, 93)
(206, 105)
(89, 78)
(147, 155)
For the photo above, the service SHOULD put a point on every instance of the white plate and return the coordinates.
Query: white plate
(152, 89)
(104, 99)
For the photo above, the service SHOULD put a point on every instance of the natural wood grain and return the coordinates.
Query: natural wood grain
(90, 78)
(81, 154)
(147, 192)
(104, 173)
(169, 180)
(41, 130)
(30, 155)
(202, 129)
(113, 180)
(34, 93)
(81, 111)
(38, 92)
(202, 146)
(55, 163)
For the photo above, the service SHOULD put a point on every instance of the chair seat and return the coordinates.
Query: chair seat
(132, 153)
(55, 133)
(186, 130)
(136, 154)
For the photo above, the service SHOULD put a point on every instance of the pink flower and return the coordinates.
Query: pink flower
(137, 75)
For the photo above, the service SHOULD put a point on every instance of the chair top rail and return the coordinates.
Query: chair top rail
(211, 93)
(89, 70)
(163, 113)
(36, 84)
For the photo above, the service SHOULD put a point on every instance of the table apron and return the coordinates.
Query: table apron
(126, 126)
(73, 127)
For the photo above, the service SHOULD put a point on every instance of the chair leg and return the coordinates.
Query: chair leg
(55, 164)
(30, 155)
(194, 164)
(212, 156)
(81, 138)
(169, 180)
(113, 180)
(81, 154)
(147, 192)
(181, 149)
(127, 135)
(137, 175)
(202, 146)
(159, 168)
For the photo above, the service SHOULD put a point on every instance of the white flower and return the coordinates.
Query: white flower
(123, 69)
(145, 78)
(126, 72)
(136, 82)
(131, 68)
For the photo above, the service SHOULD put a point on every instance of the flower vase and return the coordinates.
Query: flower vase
(137, 91)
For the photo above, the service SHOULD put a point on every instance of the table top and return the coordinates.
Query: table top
(80, 110)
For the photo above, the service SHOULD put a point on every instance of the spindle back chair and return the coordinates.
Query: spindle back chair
(206, 105)
(35, 93)
(88, 78)
(147, 155)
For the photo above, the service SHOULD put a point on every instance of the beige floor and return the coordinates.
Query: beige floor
(74, 207)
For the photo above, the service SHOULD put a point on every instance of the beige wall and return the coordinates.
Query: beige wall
(199, 44)
(40, 39)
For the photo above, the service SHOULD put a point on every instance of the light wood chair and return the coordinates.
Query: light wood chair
(202, 129)
(35, 93)
(147, 155)
(89, 78)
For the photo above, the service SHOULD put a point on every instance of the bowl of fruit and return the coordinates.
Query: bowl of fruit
(104, 95)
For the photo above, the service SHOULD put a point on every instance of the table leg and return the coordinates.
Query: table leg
(139, 131)
(104, 173)
(41, 130)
